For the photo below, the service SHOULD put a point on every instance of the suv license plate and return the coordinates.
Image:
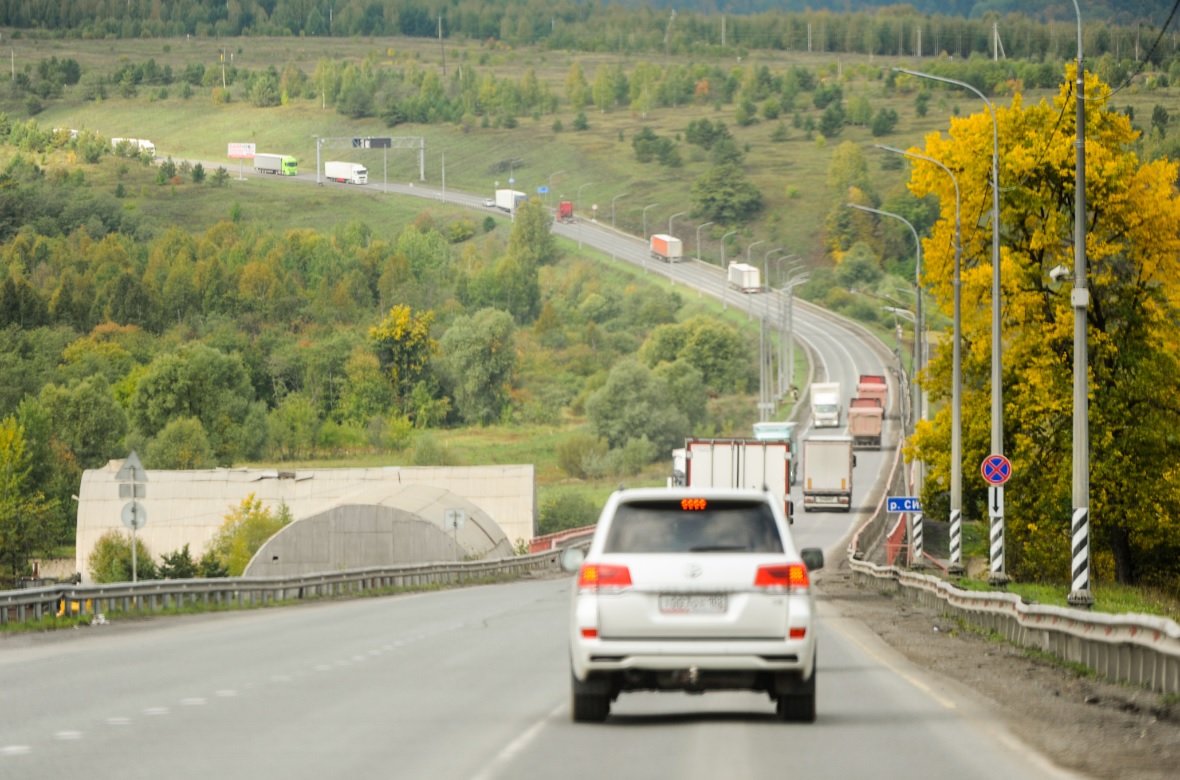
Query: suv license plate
(675, 604)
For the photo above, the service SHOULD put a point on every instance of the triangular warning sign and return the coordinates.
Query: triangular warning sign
(132, 470)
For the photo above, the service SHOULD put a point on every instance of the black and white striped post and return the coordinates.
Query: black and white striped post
(996, 470)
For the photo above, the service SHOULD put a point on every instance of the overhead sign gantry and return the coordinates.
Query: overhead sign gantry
(353, 142)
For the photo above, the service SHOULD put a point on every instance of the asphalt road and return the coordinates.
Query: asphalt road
(469, 684)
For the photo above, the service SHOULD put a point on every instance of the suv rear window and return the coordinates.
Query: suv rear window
(693, 525)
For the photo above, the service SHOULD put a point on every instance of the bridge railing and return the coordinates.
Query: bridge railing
(154, 595)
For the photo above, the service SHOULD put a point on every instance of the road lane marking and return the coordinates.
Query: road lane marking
(156, 711)
(68, 735)
(193, 701)
(15, 750)
(119, 721)
(516, 746)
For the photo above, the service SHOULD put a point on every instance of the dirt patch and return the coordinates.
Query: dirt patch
(1085, 724)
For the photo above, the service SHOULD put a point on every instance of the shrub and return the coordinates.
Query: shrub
(428, 452)
(578, 452)
(566, 511)
(246, 528)
(110, 560)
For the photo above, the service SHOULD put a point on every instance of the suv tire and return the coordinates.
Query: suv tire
(589, 707)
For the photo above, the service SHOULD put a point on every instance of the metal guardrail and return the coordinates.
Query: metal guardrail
(1138, 649)
(154, 595)
(560, 539)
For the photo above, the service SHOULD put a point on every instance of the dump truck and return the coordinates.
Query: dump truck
(825, 404)
(276, 164)
(865, 419)
(744, 278)
(509, 200)
(873, 386)
(740, 463)
(828, 463)
(666, 248)
(784, 430)
(565, 211)
(346, 172)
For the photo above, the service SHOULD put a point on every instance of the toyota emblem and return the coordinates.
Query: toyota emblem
(694, 570)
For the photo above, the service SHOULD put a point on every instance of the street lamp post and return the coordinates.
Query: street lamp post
(765, 357)
(674, 216)
(725, 270)
(645, 208)
(996, 498)
(612, 207)
(578, 199)
(749, 309)
(699, 238)
(1080, 595)
(956, 540)
(792, 282)
(549, 190)
(782, 385)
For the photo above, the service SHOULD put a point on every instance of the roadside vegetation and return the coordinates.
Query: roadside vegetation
(202, 320)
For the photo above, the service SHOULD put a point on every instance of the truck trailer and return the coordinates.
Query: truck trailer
(865, 420)
(825, 404)
(565, 211)
(827, 473)
(666, 248)
(781, 430)
(873, 386)
(740, 463)
(509, 200)
(744, 278)
(346, 172)
(276, 164)
(134, 145)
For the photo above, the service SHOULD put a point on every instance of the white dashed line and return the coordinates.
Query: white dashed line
(66, 736)
(195, 701)
(324, 668)
(227, 693)
(15, 750)
(155, 711)
(118, 721)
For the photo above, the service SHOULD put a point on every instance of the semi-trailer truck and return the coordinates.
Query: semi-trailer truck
(740, 463)
(744, 278)
(276, 164)
(509, 200)
(666, 248)
(781, 430)
(565, 211)
(873, 386)
(346, 172)
(828, 463)
(825, 404)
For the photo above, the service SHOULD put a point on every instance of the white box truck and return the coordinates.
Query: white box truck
(276, 164)
(828, 462)
(346, 172)
(825, 404)
(509, 200)
(745, 278)
(740, 463)
(781, 430)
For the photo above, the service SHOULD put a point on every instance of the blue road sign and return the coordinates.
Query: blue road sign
(542, 190)
(903, 504)
(996, 469)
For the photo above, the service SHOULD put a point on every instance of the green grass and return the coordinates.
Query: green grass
(1108, 598)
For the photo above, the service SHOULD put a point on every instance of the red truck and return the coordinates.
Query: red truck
(873, 386)
(565, 211)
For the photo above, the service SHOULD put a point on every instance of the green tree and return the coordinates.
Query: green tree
(177, 565)
(26, 517)
(531, 241)
(292, 427)
(634, 404)
(247, 527)
(181, 444)
(725, 195)
(479, 356)
(87, 419)
(566, 511)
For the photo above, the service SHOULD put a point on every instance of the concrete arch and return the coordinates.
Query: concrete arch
(377, 528)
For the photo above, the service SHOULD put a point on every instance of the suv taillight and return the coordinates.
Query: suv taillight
(787, 576)
(603, 575)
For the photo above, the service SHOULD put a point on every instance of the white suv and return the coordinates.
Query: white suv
(692, 590)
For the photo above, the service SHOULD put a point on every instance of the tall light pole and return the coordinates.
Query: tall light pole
(749, 309)
(956, 540)
(996, 497)
(645, 208)
(765, 358)
(725, 270)
(674, 216)
(792, 282)
(705, 225)
(1080, 595)
(612, 207)
(549, 189)
(794, 261)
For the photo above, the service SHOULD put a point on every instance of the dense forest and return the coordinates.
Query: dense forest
(1124, 28)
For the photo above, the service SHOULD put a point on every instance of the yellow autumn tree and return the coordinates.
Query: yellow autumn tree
(1133, 256)
(403, 346)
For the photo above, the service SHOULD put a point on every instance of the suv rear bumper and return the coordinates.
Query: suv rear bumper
(597, 655)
